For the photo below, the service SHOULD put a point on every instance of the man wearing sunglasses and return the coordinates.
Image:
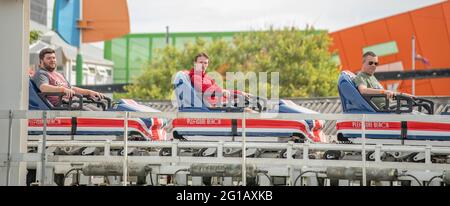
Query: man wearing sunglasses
(368, 84)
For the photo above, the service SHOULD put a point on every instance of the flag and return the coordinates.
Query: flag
(422, 59)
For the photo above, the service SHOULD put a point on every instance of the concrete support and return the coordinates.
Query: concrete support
(197, 181)
(227, 181)
(14, 57)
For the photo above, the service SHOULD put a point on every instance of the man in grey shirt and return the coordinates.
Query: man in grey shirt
(48, 80)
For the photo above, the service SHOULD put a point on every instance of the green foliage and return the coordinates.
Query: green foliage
(34, 36)
(302, 59)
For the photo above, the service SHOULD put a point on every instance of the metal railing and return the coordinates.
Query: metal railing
(175, 145)
(325, 105)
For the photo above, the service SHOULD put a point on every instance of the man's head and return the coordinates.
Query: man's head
(201, 62)
(370, 62)
(47, 59)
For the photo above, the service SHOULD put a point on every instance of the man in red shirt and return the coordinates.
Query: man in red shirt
(205, 84)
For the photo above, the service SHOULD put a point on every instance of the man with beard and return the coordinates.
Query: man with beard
(49, 80)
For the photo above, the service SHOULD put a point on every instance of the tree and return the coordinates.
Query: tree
(34, 36)
(302, 59)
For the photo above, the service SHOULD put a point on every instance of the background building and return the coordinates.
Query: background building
(131, 52)
(96, 69)
(391, 39)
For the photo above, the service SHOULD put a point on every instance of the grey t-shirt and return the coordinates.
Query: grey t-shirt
(370, 82)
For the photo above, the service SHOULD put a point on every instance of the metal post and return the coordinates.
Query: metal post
(125, 149)
(167, 36)
(79, 59)
(244, 153)
(44, 146)
(428, 154)
(306, 150)
(79, 70)
(38, 166)
(378, 153)
(220, 149)
(174, 149)
(289, 152)
(363, 126)
(69, 72)
(290, 181)
(107, 148)
(14, 49)
(413, 65)
(8, 163)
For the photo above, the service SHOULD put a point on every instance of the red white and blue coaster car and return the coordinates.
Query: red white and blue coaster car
(407, 132)
(92, 128)
(189, 100)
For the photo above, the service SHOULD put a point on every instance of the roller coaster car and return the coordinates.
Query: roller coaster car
(92, 128)
(189, 100)
(355, 103)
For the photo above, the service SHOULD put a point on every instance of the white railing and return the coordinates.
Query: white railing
(363, 148)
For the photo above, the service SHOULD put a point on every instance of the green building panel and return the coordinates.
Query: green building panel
(132, 52)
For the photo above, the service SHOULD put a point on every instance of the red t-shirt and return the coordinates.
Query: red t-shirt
(202, 82)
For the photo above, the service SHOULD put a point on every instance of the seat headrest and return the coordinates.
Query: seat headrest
(352, 101)
(35, 102)
(350, 74)
(185, 93)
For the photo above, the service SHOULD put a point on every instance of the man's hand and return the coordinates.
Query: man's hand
(69, 92)
(408, 95)
(247, 95)
(94, 94)
(226, 93)
(390, 94)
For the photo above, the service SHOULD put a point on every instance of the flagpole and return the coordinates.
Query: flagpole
(413, 65)
(79, 60)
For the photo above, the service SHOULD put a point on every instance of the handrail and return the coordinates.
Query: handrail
(25, 114)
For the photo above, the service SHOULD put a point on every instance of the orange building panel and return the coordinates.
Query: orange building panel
(353, 42)
(375, 32)
(337, 47)
(446, 9)
(104, 20)
(431, 28)
(401, 30)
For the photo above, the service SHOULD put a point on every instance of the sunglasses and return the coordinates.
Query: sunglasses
(371, 63)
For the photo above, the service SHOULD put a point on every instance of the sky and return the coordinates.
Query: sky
(152, 16)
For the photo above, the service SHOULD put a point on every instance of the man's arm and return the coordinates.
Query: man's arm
(364, 90)
(50, 88)
(88, 92)
(42, 82)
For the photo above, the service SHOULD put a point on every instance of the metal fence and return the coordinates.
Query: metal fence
(328, 105)
(289, 161)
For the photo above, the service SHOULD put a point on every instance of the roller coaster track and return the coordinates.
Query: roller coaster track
(297, 158)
